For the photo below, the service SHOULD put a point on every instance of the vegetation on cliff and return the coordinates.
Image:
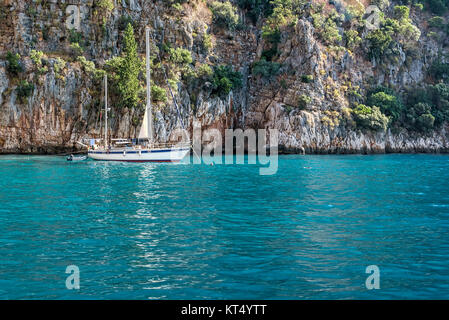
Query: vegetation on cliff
(303, 57)
(340, 26)
(125, 70)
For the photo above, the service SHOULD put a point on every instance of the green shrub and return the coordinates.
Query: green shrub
(58, 66)
(106, 5)
(370, 118)
(225, 79)
(175, 2)
(206, 44)
(177, 6)
(180, 56)
(266, 69)
(196, 78)
(45, 33)
(224, 14)
(433, 35)
(284, 13)
(436, 22)
(439, 70)
(14, 65)
(76, 49)
(425, 121)
(42, 70)
(273, 38)
(419, 117)
(403, 25)
(75, 36)
(388, 101)
(24, 91)
(330, 33)
(400, 29)
(401, 12)
(416, 95)
(205, 72)
(123, 22)
(437, 6)
(36, 57)
(256, 8)
(303, 101)
(354, 13)
(352, 39)
(419, 6)
(439, 97)
(283, 83)
(379, 41)
(173, 82)
(327, 27)
(307, 78)
(88, 66)
(158, 94)
(433, 100)
(223, 86)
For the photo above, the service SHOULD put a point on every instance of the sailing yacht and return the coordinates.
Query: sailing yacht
(147, 150)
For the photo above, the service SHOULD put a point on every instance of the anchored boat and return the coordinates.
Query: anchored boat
(146, 150)
(76, 158)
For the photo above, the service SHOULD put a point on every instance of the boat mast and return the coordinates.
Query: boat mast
(149, 107)
(106, 111)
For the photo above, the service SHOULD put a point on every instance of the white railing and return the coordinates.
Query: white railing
(170, 144)
(120, 143)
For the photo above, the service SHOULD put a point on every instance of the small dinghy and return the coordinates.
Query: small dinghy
(74, 158)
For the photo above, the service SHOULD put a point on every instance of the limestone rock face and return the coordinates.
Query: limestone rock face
(65, 105)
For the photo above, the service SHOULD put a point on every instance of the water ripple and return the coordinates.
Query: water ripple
(161, 231)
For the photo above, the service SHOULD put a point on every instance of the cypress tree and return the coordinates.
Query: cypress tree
(128, 73)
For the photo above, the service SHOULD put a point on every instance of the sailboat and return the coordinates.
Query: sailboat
(147, 150)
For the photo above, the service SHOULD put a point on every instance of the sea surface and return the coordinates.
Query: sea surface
(185, 231)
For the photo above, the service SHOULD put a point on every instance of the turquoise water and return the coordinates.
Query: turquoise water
(165, 231)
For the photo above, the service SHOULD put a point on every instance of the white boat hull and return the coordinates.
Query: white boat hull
(144, 155)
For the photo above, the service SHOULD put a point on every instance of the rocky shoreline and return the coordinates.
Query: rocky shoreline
(282, 150)
(308, 101)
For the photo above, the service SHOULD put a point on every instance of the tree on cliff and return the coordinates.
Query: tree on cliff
(124, 71)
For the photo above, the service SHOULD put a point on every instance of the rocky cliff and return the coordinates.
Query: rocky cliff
(309, 88)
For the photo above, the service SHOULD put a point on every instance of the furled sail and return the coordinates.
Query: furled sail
(146, 131)
(144, 128)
